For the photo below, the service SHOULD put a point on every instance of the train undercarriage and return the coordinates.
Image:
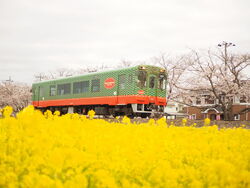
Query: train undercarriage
(130, 110)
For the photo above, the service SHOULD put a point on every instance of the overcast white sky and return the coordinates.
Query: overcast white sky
(39, 36)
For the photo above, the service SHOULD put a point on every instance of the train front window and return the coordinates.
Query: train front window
(152, 82)
(162, 82)
(142, 77)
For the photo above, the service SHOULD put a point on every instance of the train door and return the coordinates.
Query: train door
(36, 92)
(40, 95)
(121, 88)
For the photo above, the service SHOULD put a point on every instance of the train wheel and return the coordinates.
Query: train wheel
(131, 116)
(146, 115)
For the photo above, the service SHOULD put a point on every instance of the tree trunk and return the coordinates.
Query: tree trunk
(228, 113)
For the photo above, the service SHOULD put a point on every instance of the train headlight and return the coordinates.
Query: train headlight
(162, 70)
(142, 68)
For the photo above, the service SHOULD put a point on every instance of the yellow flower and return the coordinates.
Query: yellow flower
(207, 122)
(151, 122)
(194, 125)
(57, 113)
(162, 122)
(125, 120)
(184, 122)
(91, 114)
(48, 114)
(7, 111)
(48, 150)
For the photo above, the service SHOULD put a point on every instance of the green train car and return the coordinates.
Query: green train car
(133, 91)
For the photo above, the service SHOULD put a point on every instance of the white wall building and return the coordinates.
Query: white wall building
(174, 110)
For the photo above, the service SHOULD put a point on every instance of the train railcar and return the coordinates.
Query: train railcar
(133, 91)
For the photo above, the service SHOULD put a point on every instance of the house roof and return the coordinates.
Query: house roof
(216, 109)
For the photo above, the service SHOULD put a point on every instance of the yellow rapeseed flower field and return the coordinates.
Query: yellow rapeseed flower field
(49, 150)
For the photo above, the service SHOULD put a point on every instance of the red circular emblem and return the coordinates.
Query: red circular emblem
(141, 92)
(109, 83)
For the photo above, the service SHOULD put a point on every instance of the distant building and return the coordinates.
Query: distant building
(175, 110)
(204, 106)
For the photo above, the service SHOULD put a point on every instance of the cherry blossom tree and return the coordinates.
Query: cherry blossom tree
(216, 74)
(59, 73)
(17, 95)
(65, 72)
(177, 73)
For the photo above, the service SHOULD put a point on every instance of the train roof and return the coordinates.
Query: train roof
(91, 73)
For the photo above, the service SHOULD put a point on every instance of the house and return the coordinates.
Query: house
(204, 106)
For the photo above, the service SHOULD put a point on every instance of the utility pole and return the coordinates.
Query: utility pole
(226, 45)
(9, 80)
(227, 104)
(39, 77)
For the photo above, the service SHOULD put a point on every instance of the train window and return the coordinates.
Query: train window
(162, 82)
(122, 81)
(81, 87)
(77, 87)
(85, 86)
(142, 77)
(52, 90)
(63, 89)
(152, 82)
(95, 85)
